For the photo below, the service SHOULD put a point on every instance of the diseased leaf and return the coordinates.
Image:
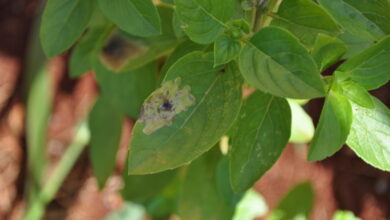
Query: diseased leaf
(63, 22)
(200, 199)
(327, 51)
(263, 131)
(275, 62)
(370, 68)
(217, 96)
(333, 128)
(370, 134)
(225, 50)
(81, 58)
(369, 19)
(297, 204)
(126, 90)
(305, 19)
(356, 93)
(105, 124)
(137, 17)
(204, 20)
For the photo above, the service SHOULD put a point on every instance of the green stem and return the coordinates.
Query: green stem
(49, 190)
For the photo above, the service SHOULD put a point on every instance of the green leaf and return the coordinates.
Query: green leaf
(344, 215)
(216, 95)
(263, 131)
(297, 204)
(200, 199)
(356, 93)
(137, 17)
(105, 124)
(370, 134)
(223, 183)
(251, 206)
(355, 44)
(305, 19)
(80, 60)
(63, 22)
(333, 128)
(370, 68)
(369, 19)
(327, 51)
(140, 188)
(275, 62)
(128, 211)
(126, 90)
(302, 128)
(204, 20)
(225, 50)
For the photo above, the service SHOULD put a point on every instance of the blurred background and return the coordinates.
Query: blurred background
(342, 182)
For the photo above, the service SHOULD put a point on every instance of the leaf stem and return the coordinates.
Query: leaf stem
(37, 208)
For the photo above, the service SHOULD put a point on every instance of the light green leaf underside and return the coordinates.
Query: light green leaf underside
(302, 127)
(275, 62)
(333, 128)
(203, 20)
(305, 19)
(368, 18)
(263, 131)
(370, 68)
(193, 132)
(63, 22)
(137, 17)
(105, 124)
(370, 134)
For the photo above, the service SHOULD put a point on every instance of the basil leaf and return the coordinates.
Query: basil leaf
(225, 50)
(327, 51)
(356, 93)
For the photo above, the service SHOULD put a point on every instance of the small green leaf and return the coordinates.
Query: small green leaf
(263, 131)
(128, 211)
(200, 199)
(327, 51)
(275, 62)
(333, 128)
(140, 188)
(63, 22)
(126, 90)
(302, 127)
(137, 17)
(305, 19)
(355, 44)
(204, 20)
(225, 50)
(370, 134)
(251, 206)
(297, 204)
(370, 68)
(344, 215)
(356, 93)
(105, 124)
(80, 60)
(369, 19)
(216, 100)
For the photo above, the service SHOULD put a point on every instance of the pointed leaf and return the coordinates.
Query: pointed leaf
(225, 50)
(105, 124)
(370, 68)
(137, 17)
(370, 134)
(159, 142)
(263, 131)
(369, 19)
(356, 93)
(333, 128)
(302, 127)
(305, 19)
(204, 20)
(327, 51)
(63, 22)
(275, 62)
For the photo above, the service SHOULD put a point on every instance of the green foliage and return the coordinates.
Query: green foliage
(63, 22)
(178, 67)
(264, 128)
(105, 124)
(297, 204)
